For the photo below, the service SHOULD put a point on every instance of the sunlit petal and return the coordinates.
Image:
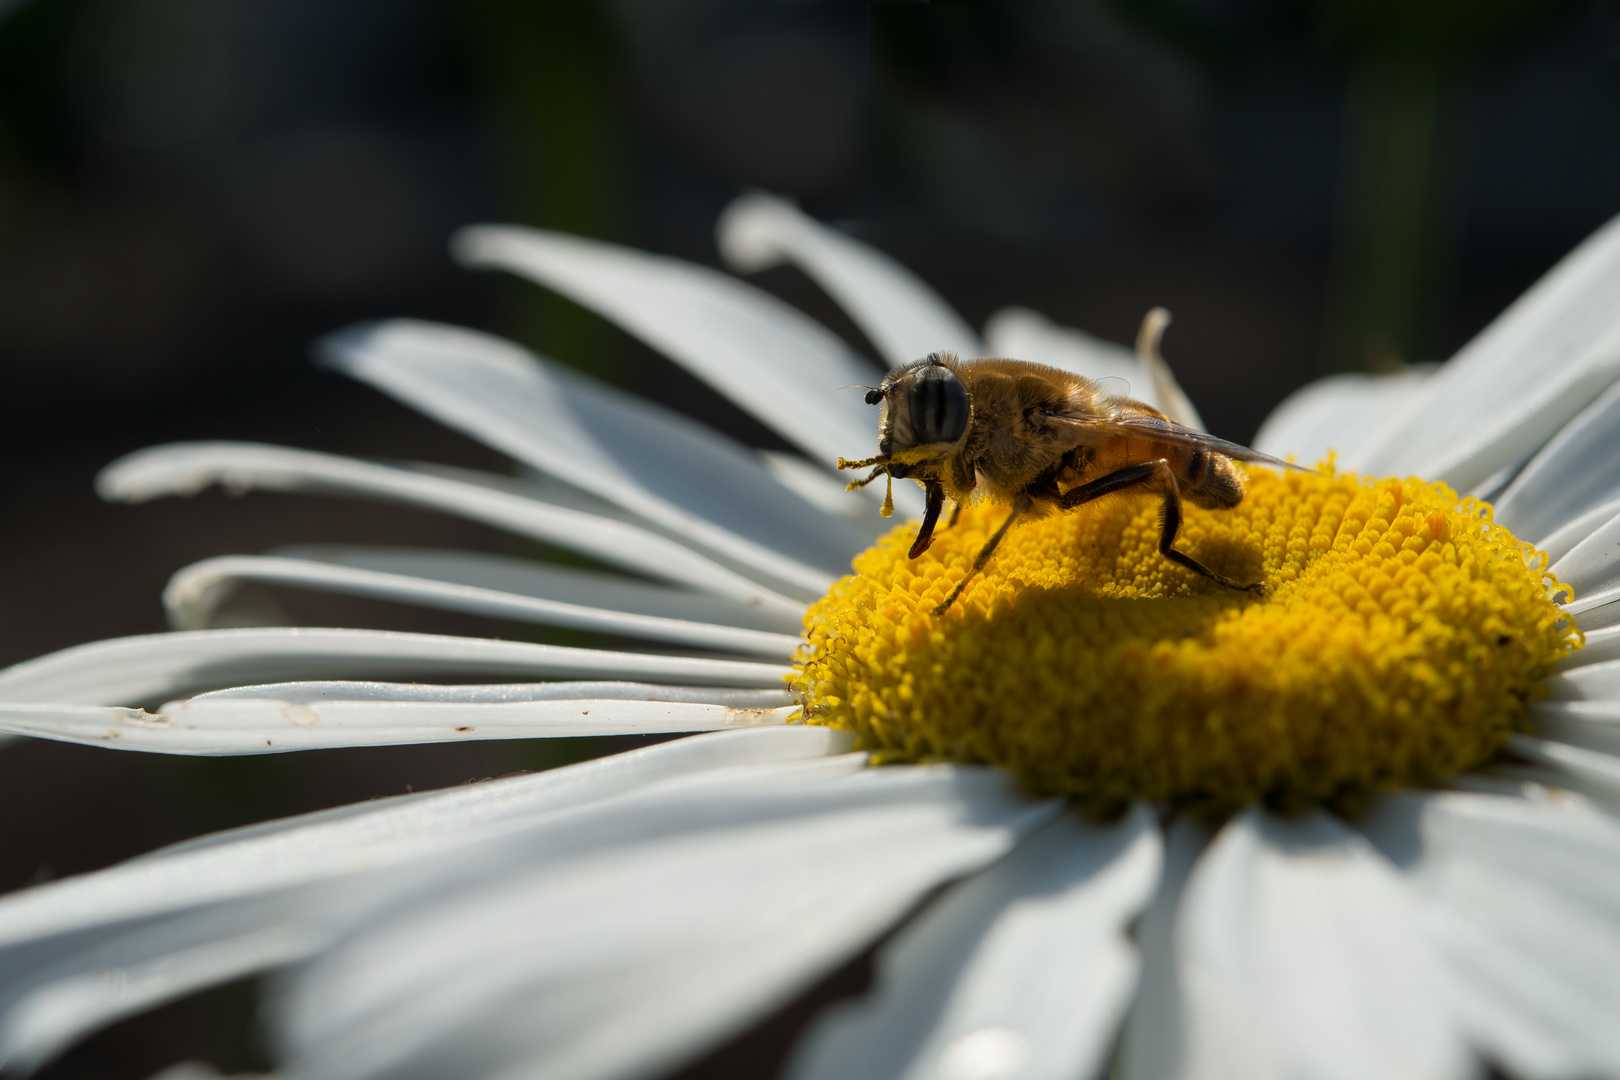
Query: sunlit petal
(1022, 972)
(230, 727)
(154, 667)
(1303, 955)
(1574, 472)
(1339, 413)
(648, 460)
(1524, 898)
(187, 468)
(262, 859)
(553, 970)
(1155, 1036)
(193, 592)
(775, 362)
(897, 310)
(1510, 390)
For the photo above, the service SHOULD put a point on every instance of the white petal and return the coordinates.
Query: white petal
(214, 727)
(1524, 899)
(1022, 972)
(1154, 1044)
(264, 859)
(1022, 334)
(901, 315)
(187, 468)
(139, 971)
(636, 955)
(1589, 767)
(1563, 541)
(1304, 955)
(1592, 567)
(1573, 473)
(310, 693)
(1171, 399)
(60, 980)
(1599, 681)
(655, 463)
(154, 667)
(1588, 725)
(194, 591)
(569, 585)
(1338, 413)
(1518, 382)
(775, 362)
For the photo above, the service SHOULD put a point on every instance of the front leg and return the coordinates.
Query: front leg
(1021, 506)
(1150, 475)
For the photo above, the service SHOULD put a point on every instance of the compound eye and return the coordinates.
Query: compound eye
(874, 396)
(938, 403)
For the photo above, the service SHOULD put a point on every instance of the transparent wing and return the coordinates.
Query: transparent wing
(1138, 425)
(1111, 387)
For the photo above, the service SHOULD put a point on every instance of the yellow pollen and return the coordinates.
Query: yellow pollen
(1399, 639)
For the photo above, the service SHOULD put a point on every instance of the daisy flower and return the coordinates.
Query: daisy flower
(1102, 814)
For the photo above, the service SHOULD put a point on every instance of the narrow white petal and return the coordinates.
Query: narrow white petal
(311, 693)
(1304, 955)
(187, 468)
(1511, 389)
(569, 585)
(264, 859)
(1592, 767)
(901, 315)
(1598, 681)
(194, 591)
(1524, 898)
(1022, 972)
(775, 362)
(1339, 413)
(1591, 567)
(655, 463)
(1563, 541)
(1155, 1039)
(137, 972)
(55, 988)
(1574, 472)
(155, 667)
(1588, 725)
(229, 727)
(639, 953)
(1022, 334)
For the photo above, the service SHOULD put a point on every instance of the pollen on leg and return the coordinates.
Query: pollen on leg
(1399, 638)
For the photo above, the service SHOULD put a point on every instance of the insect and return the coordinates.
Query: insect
(1042, 439)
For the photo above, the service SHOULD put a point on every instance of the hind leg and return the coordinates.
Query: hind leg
(1153, 474)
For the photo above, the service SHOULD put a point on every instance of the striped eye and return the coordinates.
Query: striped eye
(938, 404)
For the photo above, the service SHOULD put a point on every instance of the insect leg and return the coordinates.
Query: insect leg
(1159, 474)
(925, 535)
(1022, 506)
(956, 515)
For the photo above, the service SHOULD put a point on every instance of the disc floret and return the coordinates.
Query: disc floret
(1399, 638)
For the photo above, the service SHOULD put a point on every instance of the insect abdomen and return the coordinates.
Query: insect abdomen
(1213, 481)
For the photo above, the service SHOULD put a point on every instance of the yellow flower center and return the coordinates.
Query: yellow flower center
(1399, 638)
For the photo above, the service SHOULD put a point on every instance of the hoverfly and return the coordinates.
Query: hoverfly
(1042, 439)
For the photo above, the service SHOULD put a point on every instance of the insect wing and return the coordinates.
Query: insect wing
(1142, 426)
(1111, 389)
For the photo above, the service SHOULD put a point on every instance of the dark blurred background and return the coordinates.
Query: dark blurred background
(193, 190)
